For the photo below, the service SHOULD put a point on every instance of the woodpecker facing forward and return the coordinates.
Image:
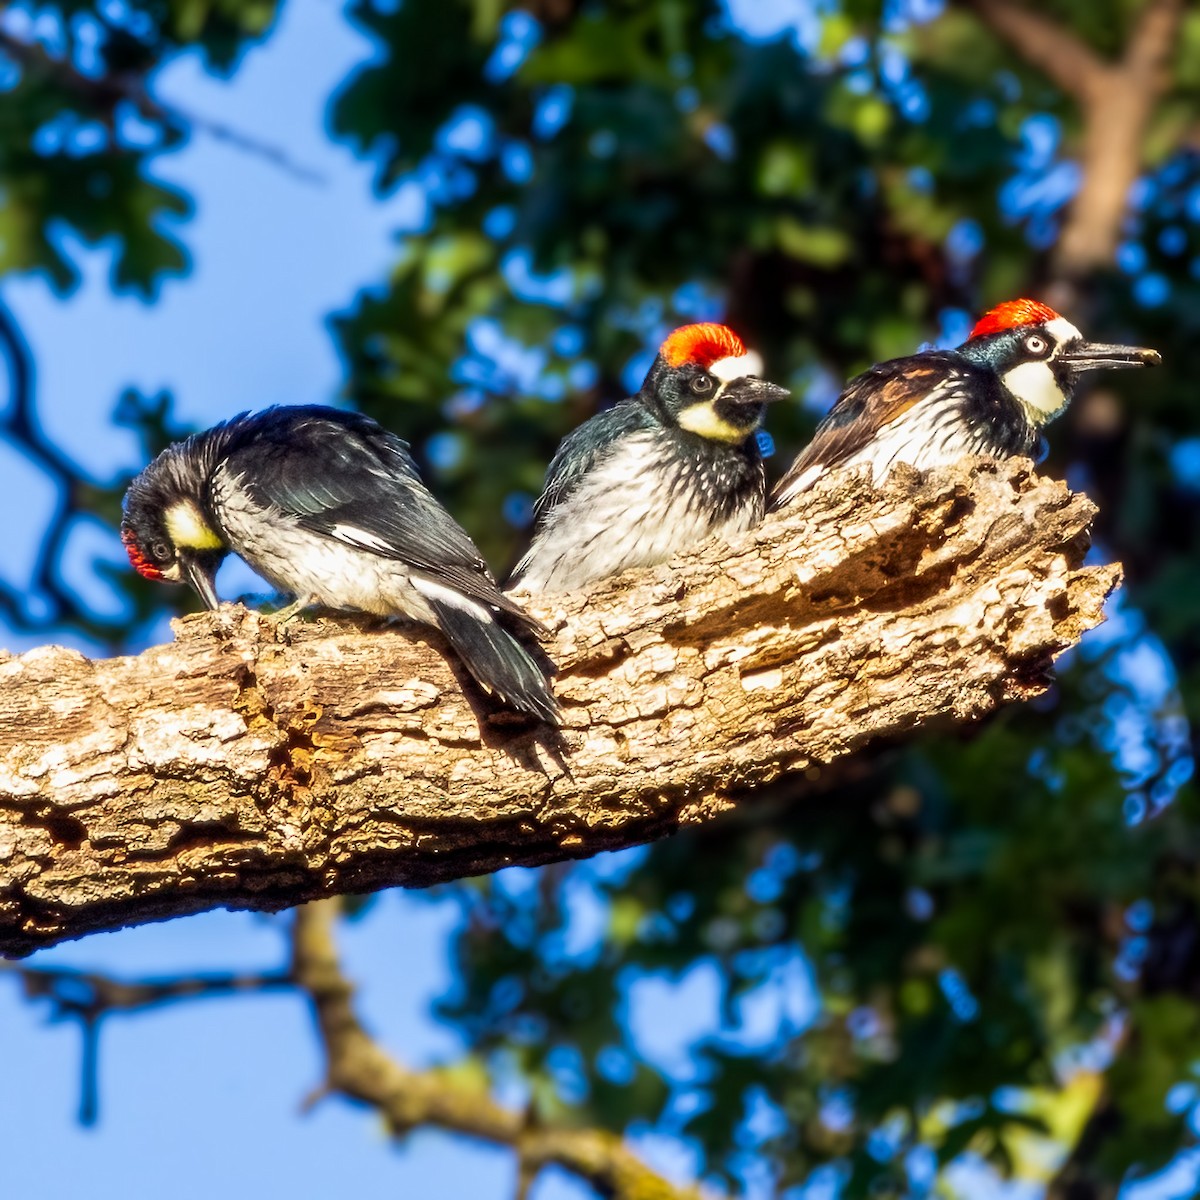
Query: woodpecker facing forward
(660, 471)
(1017, 371)
(328, 506)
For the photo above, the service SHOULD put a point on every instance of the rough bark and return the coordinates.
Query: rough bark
(256, 766)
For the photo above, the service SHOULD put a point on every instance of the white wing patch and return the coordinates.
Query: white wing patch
(360, 537)
(447, 595)
(801, 483)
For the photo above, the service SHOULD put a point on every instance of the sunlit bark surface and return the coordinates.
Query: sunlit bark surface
(255, 766)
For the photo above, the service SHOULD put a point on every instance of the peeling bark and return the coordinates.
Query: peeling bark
(256, 766)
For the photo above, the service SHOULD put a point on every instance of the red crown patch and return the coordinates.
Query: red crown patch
(701, 344)
(141, 564)
(1013, 314)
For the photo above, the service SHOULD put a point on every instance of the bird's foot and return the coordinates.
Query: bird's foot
(293, 610)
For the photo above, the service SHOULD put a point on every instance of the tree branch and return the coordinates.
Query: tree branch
(1117, 100)
(103, 93)
(1116, 120)
(89, 995)
(1066, 60)
(357, 1068)
(87, 998)
(256, 767)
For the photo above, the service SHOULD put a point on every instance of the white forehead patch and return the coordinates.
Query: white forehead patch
(1062, 331)
(729, 369)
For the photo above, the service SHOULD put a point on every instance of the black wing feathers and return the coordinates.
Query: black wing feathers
(497, 660)
(869, 402)
(344, 476)
(578, 451)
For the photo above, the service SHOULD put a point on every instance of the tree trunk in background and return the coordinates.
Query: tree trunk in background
(1116, 100)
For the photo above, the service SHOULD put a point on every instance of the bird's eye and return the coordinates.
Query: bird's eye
(1036, 344)
(160, 551)
(702, 384)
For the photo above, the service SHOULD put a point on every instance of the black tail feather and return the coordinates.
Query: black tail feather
(495, 658)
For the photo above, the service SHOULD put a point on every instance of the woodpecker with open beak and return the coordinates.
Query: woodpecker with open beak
(328, 507)
(1017, 371)
(662, 470)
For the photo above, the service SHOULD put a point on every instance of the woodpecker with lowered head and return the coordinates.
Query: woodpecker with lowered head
(1016, 372)
(328, 506)
(662, 470)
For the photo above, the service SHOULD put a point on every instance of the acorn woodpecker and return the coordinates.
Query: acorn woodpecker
(328, 507)
(1018, 370)
(674, 465)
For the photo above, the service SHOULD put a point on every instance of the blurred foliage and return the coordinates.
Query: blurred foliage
(79, 128)
(985, 945)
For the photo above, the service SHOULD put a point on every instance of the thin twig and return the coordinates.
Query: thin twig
(89, 994)
(103, 93)
(88, 998)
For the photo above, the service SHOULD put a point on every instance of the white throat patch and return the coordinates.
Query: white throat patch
(1034, 385)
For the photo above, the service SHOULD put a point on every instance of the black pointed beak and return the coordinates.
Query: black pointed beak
(1092, 356)
(200, 571)
(760, 391)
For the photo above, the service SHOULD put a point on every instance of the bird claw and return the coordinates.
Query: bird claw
(286, 615)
